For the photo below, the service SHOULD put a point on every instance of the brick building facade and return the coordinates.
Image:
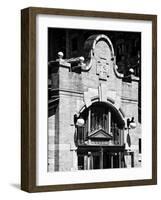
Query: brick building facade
(94, 106)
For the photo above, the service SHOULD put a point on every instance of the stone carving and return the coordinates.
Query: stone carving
(99, 47)
(102, 54)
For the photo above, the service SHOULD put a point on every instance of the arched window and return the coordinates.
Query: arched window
(103, 125)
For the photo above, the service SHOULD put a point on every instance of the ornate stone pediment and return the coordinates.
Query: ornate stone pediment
(100, 134)
(100, 49)
(102, 54)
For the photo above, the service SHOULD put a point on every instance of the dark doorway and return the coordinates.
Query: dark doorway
(106, 160)
(96, 161)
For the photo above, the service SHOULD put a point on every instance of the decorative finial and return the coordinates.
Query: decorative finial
(131, 70)
(60, 55)
(81, 60)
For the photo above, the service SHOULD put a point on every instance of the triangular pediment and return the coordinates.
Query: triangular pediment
(100, 134)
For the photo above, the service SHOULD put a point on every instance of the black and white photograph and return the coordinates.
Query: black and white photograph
(94, 100)
(89, 99)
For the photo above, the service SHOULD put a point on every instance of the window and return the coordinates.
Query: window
(101, 119)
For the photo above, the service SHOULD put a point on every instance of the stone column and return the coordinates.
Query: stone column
(75, 159)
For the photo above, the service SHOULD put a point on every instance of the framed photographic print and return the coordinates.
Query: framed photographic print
(89, 99)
